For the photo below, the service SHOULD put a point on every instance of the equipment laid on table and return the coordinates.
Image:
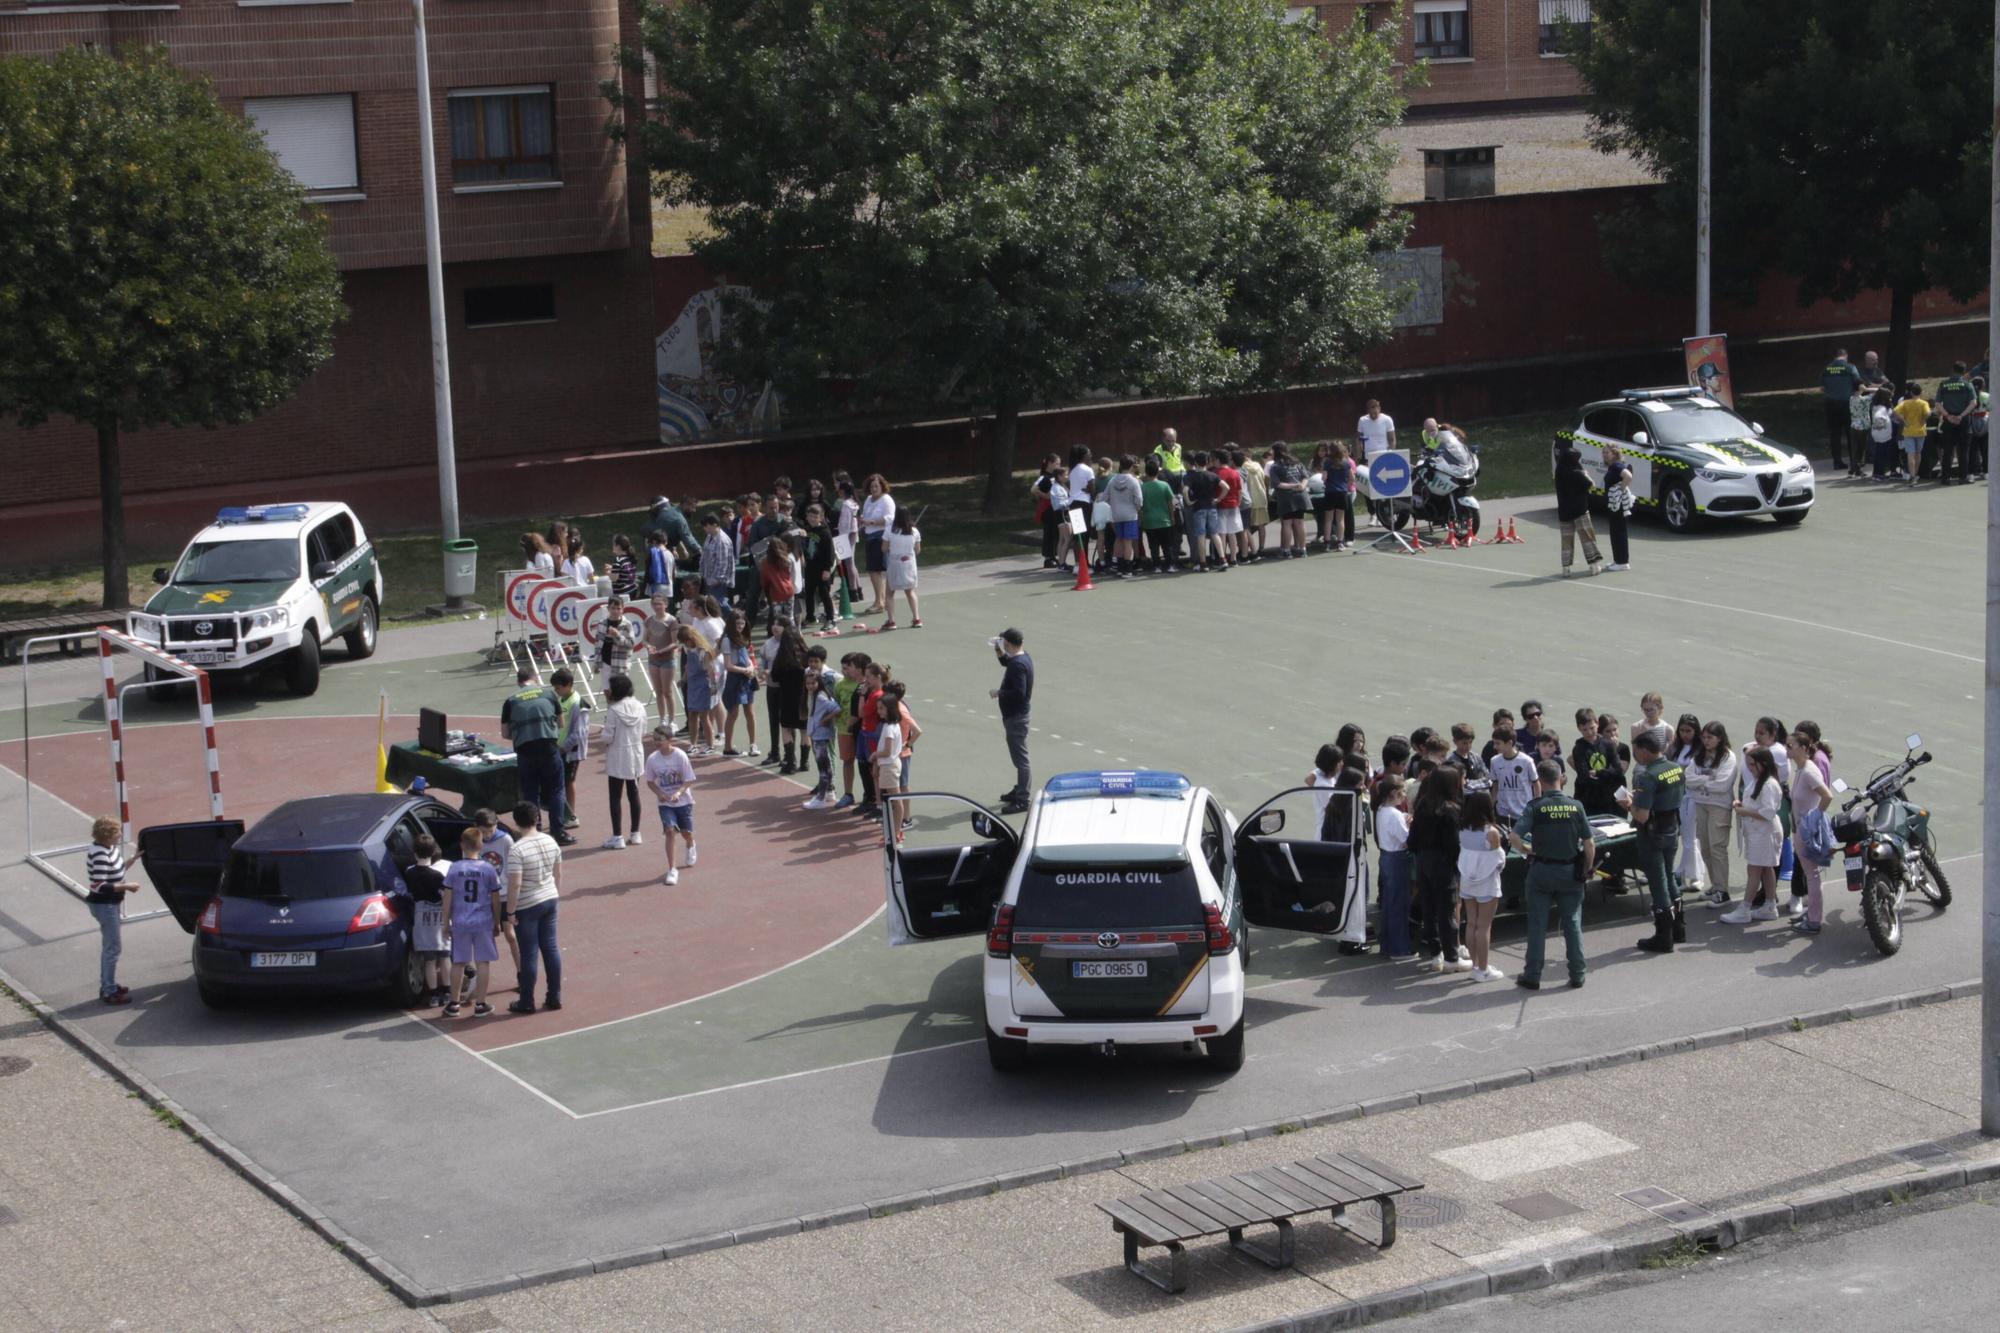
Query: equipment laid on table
(433, 735)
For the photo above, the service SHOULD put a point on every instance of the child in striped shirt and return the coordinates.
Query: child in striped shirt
(108, 886)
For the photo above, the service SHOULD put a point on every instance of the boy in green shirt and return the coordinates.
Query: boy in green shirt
(844, 690)
(1156, 516)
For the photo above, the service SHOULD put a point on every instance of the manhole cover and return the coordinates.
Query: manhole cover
(13, 1064)
(1420, 1211)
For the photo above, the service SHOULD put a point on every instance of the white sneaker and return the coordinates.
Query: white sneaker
(689, 863)
(813, 803)
(1616, 568)
(1436, 964)
(1458, 965)
(1797, 908)
(671, 877)
(612, 843)
(753, 751)
(1768, 912)
(633, 839)
(1488, 974)
(1736, 916)
(1464, 954)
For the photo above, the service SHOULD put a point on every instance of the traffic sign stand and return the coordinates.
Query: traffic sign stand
(1389, 481)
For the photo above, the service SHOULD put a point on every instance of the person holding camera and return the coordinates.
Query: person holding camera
(1017, 689)
(1554, 834)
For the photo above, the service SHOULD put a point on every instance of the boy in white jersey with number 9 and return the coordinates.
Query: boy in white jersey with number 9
(471, 886)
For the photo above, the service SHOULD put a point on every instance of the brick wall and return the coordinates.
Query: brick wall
(366, 48)
(1505, 65)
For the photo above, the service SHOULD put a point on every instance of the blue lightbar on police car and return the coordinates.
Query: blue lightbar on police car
(1117, 782)
(261, 513)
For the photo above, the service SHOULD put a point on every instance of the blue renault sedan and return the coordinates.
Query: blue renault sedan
(311, 898)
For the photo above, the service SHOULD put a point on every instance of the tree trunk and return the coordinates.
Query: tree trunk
(111, 500)
(1902, 300)
(1000, 458)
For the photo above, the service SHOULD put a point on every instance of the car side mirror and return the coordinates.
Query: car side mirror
(983, 825)
(160, 576)
(322, 570)
(1757, 427)
(1914, 741)
(1640, 437)
(1270, 822)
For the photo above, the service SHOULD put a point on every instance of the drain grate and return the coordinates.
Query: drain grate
(1419, 1211)
(14, 1064)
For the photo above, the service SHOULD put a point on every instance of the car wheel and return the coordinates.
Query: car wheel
(1006, 1054)
(1677, 507)
(1226, 1052)
(406, 987)
(302, 670)
(213, 997)
(1791, 518)
(361, 639)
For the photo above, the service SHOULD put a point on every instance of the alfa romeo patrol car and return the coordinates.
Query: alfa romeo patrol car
(1694, 459)
(268, 586)
(1117, 916)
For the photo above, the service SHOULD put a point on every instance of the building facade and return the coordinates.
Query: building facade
(1481, 53)
(545, 226)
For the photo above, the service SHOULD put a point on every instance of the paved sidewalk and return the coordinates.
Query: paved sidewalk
(113, 1215)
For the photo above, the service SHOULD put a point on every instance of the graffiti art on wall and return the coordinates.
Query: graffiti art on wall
(695, 402)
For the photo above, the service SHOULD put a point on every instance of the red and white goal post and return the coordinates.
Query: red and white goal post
(167, 671)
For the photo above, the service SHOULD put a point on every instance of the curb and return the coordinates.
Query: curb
(1467, 1287)
(1720, 1232)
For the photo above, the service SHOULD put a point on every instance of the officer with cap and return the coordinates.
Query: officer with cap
(1955, 400)
(1554, 834)
(1655, 803)
(1837, 384)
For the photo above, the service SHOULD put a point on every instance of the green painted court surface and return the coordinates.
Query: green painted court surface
(1866, 618)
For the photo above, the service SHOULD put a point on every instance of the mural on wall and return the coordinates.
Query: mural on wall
(695, 402)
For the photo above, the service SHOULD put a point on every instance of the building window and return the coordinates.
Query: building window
(531, 304)
(1300, 13)
(503, 134)
(1558, 13)
(1374, 15)
(312, 137)
(1440, 31)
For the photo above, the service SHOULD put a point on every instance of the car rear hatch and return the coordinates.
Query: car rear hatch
(1109, 943)
(292, 900)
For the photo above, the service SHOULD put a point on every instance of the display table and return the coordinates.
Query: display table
(1617, 851)
(489, 780)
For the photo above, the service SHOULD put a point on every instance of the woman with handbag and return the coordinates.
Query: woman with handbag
(1618, 507)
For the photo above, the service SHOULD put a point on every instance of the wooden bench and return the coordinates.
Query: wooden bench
(1268, 1196)
(76, 629)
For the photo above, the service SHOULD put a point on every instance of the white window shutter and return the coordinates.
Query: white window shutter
(313, 137)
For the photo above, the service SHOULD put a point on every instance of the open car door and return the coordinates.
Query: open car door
(947, 886)
(185, 862)
(1299, 882)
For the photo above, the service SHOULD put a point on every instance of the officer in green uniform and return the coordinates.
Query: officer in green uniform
(1837, 384)
(1657, 789)
(530, 718)
(1555, 835)
(1955, 400)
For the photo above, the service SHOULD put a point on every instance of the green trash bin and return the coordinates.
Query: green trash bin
(461, 567)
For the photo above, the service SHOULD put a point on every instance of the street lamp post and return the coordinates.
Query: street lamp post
(434, 264)
(1989, 1003)
(1701, 306)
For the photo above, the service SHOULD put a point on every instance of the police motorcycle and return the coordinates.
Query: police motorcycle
(1441, 485)
(1889, 852)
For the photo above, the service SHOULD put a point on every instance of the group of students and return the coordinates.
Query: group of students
(1877, 430)
(1443, 815)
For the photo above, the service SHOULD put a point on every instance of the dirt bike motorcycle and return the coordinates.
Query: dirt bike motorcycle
(1886, 841)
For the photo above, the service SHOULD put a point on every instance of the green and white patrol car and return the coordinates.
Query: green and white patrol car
(1694, 459)
(267, 586)
(1117, 917)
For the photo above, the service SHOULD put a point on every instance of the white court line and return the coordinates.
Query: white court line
(612, 1022)
(497, 1068)
(780, 1078)
(1718, 606)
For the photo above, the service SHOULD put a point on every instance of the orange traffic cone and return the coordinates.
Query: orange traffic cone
(1513, 537)
(1416, 540)
(1451, 542)
(1083, 583)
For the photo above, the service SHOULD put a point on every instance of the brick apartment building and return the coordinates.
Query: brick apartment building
(1481, 52)
(546, 231)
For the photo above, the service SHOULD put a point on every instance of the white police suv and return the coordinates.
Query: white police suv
(1117, 916)
(1694, 459)
(267, 586)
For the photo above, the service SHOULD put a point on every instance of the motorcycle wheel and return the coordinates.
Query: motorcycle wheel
(1933, 883)
(1879, 914)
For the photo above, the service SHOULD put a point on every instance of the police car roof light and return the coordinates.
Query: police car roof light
(1117, 782)
(1656, 395)
(291, 513)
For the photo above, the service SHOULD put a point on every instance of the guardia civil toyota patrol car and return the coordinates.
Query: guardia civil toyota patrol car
(1694, 459)
(267, 586)
(1117, 916)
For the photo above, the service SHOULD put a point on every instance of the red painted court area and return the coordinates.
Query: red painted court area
(773, 883)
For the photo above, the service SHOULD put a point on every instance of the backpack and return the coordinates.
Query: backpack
(1880, 426)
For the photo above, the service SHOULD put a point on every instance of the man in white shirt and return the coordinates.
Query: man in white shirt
(1376, 432)
(534, 883)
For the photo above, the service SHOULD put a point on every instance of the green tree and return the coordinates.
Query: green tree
(992, 204)
(157, 266)
(1851, 144)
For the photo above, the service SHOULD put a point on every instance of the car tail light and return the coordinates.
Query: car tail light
(1000, 935)
(210, 921)
(1220, 940)
(374, 913)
